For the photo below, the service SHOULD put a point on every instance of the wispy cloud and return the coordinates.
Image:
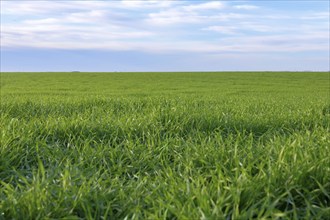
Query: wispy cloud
(213, 5)
(143, 4)
(246, 7)
(161, 26)
(222, 29)
(317, 16)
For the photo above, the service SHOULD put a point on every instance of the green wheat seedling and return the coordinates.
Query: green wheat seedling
(164, 146)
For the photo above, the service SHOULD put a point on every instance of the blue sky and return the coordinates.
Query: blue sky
(165, 35)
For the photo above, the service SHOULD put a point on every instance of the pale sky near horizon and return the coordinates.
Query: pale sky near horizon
(165, 35)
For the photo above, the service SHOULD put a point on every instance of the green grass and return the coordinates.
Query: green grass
(165, 146)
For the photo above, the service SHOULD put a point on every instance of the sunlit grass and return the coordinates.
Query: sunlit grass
(165, 146)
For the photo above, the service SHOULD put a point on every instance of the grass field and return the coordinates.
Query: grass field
(165, 145)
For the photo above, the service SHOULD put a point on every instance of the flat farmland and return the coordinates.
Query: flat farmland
(199, 145)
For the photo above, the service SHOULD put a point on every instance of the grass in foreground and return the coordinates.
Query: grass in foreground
(165, 146)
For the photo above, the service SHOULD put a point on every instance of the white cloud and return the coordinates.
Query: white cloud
(173, 16)
(142, 4)
(222, 29)
(159, 26)
(241, 27)
(317, 16)
(87, 17)
(246, 7)
(179, 15)
(186, 13)
(213, 5)
(49, 7)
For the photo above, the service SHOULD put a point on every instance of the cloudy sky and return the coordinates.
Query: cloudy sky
(165, 35)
